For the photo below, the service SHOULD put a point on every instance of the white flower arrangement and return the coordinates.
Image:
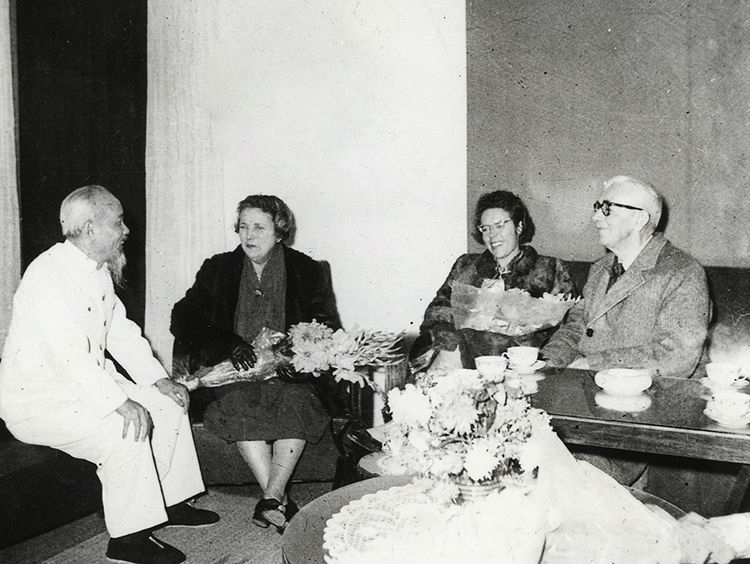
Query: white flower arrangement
(316, 348)
(459, 427)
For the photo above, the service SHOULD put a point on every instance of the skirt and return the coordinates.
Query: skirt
(266, 411)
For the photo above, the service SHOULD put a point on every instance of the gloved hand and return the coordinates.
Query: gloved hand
(243, 357)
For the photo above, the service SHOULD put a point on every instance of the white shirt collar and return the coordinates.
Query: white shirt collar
(86, 263)
(630, 259)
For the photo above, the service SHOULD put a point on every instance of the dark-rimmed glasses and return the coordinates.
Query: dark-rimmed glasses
(606, 207)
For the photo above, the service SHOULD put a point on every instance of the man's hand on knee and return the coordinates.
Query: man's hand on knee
(177, 392)
(133, 413)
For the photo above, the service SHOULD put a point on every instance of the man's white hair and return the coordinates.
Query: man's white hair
(651, 200)
(78, 208)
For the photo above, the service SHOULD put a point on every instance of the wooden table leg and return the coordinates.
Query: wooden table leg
(739, 500)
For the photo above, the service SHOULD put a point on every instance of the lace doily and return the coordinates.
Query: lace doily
(410, 524)
(350, 532)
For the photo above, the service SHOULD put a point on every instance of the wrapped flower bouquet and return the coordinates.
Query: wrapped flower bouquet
(513, 312)
(311, 348)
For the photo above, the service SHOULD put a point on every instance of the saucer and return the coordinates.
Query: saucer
(721, 420)
(736, 385)
(623, 381)
(524, 376)
(538, 365)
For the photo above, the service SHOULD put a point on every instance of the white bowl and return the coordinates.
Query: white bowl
(623, 381)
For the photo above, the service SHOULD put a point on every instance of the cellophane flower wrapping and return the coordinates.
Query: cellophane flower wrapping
(513, 312)
(267, 359)
(457, 426)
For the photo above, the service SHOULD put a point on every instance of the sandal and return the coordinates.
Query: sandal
(270, 511)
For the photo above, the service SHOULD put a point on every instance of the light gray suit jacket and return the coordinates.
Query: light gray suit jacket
(654, 316)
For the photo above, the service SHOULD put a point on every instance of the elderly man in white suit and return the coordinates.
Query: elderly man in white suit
(58, 389)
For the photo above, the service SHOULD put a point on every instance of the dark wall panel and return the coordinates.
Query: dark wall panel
(81, 68)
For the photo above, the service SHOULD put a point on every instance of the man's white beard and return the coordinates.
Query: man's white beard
(116, 264)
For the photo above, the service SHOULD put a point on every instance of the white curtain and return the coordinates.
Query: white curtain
(184, 194)
(9, 215)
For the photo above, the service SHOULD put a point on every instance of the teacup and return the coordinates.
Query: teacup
(730, 405)
(491, 367)
(723, 374)
(522, 356)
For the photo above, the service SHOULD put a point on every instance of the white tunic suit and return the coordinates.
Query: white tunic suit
(57, 389)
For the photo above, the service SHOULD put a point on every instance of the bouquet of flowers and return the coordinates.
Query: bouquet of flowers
(511, 312)
(316, 348)
(310, 347)
(456, 426)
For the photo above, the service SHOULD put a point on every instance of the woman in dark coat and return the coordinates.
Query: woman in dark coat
(262, 283)
(504, 227)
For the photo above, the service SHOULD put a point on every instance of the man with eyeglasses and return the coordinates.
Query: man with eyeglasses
(645, 303)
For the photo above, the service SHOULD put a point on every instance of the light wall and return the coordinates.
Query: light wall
(9, 217)
(354, 114)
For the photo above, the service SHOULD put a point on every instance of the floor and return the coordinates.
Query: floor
(54, 544)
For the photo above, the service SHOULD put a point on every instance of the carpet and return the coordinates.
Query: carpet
(233, 540)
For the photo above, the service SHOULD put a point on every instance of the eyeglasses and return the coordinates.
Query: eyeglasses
(485, 229)
(606, 207)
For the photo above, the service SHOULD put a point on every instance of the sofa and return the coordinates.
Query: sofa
(44, 488)
(41, 489)
(222, 464)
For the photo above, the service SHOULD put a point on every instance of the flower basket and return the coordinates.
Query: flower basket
(474, 492)
(457, 428)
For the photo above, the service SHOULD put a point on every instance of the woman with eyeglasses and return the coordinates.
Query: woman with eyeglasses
(503, 225)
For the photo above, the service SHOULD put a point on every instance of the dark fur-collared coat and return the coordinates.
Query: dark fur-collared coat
(203, 326)
(528, 271)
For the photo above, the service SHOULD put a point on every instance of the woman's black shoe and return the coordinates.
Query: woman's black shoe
(270, 511)
(291, 509)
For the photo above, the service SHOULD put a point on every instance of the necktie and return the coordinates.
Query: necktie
(615, 273)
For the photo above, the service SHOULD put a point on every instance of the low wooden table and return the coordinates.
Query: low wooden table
(673, 424)
(303, 538)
